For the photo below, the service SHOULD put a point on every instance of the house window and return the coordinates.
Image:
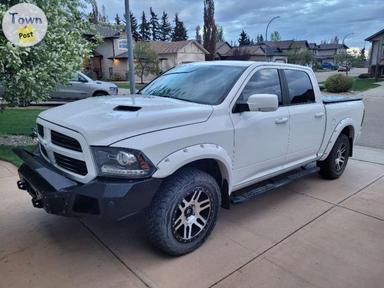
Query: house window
(123, 44)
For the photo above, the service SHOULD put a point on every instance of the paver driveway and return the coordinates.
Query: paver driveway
(311, 233)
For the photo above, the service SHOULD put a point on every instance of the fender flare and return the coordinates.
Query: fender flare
(171, 163)
(335, 134)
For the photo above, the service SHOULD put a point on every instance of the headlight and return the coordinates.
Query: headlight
(122, 162)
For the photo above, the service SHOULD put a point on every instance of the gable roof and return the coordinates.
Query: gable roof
(330, 46)
(375, 35)
(165, 47)
(253, 50)
(222, 47)
(287, 44)
(103, 31)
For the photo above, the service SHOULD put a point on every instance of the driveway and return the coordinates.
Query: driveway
(311, 233)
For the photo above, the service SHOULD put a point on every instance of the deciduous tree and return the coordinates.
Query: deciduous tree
(210, 29)
(147, 61)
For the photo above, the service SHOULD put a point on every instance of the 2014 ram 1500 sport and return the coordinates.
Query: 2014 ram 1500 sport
(194, 139)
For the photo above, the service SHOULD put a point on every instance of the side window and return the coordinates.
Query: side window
(299, 87)
(265, 81)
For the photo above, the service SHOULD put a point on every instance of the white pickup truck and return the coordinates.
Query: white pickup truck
(198, 137)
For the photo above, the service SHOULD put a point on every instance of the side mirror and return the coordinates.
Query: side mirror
(263, 102)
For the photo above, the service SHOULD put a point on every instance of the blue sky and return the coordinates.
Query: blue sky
(313, 20)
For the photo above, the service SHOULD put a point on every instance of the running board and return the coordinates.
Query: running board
(246, 194)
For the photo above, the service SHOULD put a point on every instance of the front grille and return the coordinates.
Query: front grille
(40, 130)
(65, 141)
(70, 164)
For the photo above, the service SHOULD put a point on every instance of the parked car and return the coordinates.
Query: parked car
(343, 69)
(198, 137)
(81, 86)
(329, 66)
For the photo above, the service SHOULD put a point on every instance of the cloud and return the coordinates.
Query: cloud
(312, 20)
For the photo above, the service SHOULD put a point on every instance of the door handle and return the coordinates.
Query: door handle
(281, 120)
(319, 115)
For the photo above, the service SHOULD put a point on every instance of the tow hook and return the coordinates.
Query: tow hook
(22, 185)
(37, 203)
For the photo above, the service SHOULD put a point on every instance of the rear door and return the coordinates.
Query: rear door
(307, 117)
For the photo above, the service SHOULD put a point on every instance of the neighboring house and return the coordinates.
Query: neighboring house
(170, 54)
(258, 52)
(100, 66)
(222, 48)
(376, 57)
(325, 53)
(288, 45)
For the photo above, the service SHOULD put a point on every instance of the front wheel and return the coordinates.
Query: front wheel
(334, 166)
(184, 211)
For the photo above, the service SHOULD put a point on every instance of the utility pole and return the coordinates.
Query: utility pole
(131, 68)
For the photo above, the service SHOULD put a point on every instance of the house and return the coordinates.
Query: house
(376, 57)
(222, 48)
(258, 52)
(170, 54)
(288, 45)
(325, 53)
(99, 65)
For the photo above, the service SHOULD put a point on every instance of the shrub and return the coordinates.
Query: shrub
(338, 83)
(364, 76)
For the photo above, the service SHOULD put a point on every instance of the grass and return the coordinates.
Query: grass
(364, 84)
(7, 154)
(18, 121)
(125, 85)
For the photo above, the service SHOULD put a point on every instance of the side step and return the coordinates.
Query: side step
(273, 183)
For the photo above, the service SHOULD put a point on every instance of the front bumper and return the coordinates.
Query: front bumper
(112, 199)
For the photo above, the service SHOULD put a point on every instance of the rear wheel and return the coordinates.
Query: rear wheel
(183, 212)
(334, 166)
(100, 93)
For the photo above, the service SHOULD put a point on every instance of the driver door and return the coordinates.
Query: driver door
(261, 138)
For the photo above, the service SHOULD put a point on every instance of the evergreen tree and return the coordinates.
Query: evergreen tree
(179, 33)
(210, 29)
(198, 34)
(144, 29)
(117, 19)
(220, 34)
(244, 39)
(165, 28)
(260, 38)
(154, 26)
(134, 27)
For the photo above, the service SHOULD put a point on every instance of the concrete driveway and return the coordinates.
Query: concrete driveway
(311, 233)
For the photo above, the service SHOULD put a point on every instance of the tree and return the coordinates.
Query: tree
(134, 27)
(335, 40)
(179, 33)
(32, 73)
(210, 29)
(146, 59)
(244, 39)
(296, 56)
(144, 29)
(260, 38)
(94, 16)
(165, 28)
(117, 20)
(275, 36)
(154, 26)
(220, 34)
(198, 34)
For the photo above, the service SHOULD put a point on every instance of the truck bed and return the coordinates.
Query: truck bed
(328, 99)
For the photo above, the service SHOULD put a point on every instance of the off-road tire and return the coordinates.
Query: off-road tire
(160, 216)
(329, 169)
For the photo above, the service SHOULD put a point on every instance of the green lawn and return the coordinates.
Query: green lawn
(7, 154)
(125, 85)
(18, 121)
(364, 84)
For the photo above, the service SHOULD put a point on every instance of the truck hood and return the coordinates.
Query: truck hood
(106, 120)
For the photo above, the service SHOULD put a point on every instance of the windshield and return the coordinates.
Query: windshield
(205, 84)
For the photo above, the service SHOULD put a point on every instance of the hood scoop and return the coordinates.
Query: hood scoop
(127, 108)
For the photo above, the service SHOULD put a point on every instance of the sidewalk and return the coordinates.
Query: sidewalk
(311, 233)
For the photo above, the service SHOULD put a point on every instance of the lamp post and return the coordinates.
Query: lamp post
(130, 49)
(269, 23)
(346, 53)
